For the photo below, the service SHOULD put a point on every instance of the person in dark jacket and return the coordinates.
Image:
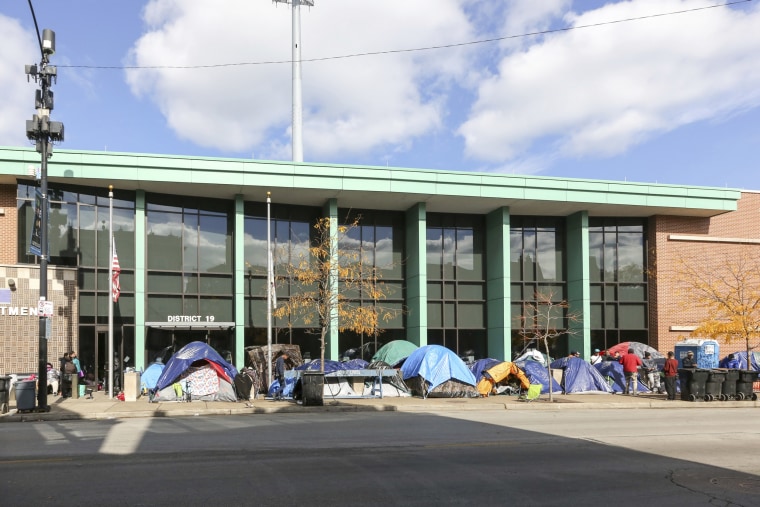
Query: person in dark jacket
(631, 364)
(279, 373)
(671, 374)
(689, 361)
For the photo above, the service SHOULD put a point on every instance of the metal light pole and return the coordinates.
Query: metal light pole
(44, 133)
(297, 126)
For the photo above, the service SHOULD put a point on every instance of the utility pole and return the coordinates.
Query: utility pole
(43, 133)
(297, 126)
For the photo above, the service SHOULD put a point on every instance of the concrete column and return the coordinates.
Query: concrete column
(416, 274)
(578, 283)
(330, 211)
(239, 279)
(498, 284)
(141, 253)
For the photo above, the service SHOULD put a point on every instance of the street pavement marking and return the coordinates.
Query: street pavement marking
(50, 434)
(125, 437)
(40, 460)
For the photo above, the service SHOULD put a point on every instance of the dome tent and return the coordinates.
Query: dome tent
(435, 371)
(198, 372)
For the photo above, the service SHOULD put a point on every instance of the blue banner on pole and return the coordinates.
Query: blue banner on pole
(35, 237)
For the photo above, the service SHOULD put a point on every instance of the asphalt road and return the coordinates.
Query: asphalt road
(668, 457)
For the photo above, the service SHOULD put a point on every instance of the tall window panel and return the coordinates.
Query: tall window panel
(537, 267)
(292, 232)
(378, 243)
(455, 246)
(617, 268)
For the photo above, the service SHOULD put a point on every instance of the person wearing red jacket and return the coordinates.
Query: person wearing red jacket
(631, 363)
(671, 374)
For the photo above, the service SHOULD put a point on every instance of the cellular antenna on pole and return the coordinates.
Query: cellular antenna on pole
(297, 126)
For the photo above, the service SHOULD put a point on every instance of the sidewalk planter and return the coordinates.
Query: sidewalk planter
(313, 383)
(5, 388)
(692, 383)
(729, 385)
(714, 385)
(25, 394)
(745, 384)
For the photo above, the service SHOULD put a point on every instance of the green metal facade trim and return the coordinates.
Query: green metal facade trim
(578, 283)
(240, 172)
(239, 281)
(498, 284)
(416, 275)
(140, 276)
(331, 346)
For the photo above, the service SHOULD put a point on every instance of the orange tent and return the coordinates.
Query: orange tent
(498, 373)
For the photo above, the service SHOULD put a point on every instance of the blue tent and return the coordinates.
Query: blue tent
(580, 377)
(436, 364)
(150, 376)
(537, 374)
(612, 371)
(478, 367)
(186, 356)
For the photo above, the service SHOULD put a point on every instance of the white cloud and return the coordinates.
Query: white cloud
(18, 48)
(599, 91)
(350, 106)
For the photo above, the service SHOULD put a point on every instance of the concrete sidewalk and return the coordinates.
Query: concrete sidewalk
(101, 408)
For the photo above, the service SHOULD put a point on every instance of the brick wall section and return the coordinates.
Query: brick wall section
(669, 299)
(8, 221)
(19, 334)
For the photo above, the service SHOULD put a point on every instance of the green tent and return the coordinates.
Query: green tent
(394, 352)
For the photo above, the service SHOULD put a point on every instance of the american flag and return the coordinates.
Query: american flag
(115, 286)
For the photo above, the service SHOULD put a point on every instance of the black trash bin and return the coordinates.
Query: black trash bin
(692, 382)
(714, 385)
(313, 385)
(25, 394)
(5, 387)
(729, 385)
(745, 385)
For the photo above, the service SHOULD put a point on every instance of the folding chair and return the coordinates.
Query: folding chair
(532, 393)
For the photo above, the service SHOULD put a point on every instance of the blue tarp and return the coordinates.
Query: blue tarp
(333, 366)
(612, 371)
(290, 384)
(478, 367)
(436, 364)
(537, 374)
(186, 356)
(580, 376)
(150, 376)
(742, 357)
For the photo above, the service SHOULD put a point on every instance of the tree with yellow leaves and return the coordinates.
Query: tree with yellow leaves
(325, 278)
(729, 295)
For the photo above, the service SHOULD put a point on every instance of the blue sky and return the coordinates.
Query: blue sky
(671, 99)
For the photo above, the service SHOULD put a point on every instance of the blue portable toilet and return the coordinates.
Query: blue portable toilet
(707, 352)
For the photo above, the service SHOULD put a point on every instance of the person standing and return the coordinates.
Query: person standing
(631, 363)
(689, 361)
(671, 374)
(652, 374)
(75, 360)
(596, 357)
(279, 373)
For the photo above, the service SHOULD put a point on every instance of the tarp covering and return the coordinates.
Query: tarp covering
(448, 389)
(150, 376)
(436, 364)
(532, 355)
(499, 373)
(742, 357)
(580, 377)
(537, 374)
(638, 348)
(189, 354)
(478, 367)
(333, 366)
(394, 352)
(397, 382)
(612, 371)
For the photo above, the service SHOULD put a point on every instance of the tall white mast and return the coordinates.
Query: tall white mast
(297, 127)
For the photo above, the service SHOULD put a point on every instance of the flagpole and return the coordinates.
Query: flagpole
(269, 290)
(110, 292)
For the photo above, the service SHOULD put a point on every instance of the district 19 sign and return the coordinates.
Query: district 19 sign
(190, 319)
